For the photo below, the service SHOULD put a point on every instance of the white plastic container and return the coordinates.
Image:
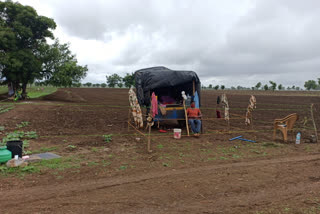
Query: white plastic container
(298, 138)
(176, 133)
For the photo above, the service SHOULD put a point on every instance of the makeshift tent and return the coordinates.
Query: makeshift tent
(165, 82)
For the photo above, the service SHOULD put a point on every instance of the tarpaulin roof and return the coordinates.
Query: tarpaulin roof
(149, 80)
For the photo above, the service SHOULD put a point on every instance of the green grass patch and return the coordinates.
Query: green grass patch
(92, 163)
(160, 146)
(123, 167)
(57, 164)
(3, 89)
(35, 92)
(18, 171)
(44, 165)
(272, 144)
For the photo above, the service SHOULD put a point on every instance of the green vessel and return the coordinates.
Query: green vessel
(5, 154)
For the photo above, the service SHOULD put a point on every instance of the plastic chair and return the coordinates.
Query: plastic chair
(285, 125)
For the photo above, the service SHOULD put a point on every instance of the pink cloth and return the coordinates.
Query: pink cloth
(154, 105)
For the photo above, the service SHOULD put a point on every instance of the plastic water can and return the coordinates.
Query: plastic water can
(298, 138)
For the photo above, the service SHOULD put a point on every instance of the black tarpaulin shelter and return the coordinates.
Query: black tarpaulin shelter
(164, 81)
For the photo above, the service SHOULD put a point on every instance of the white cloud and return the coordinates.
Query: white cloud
(226, 42)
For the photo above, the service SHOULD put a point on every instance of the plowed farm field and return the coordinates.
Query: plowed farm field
(105, 167)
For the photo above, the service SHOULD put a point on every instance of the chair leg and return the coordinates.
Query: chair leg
(292, 134)
(202, 131)
(285, 135)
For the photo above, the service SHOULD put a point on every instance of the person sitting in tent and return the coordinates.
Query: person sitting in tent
(194, 115)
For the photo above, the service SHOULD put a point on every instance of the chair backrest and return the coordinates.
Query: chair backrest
(290, 120)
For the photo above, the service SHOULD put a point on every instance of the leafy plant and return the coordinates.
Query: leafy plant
(22, 124)
(4, 109)
(19, 135)
(31, 135)
(71, 147)
(123, 167)
(160, 146)
(165, 164)
(25, 144)
(107, 138)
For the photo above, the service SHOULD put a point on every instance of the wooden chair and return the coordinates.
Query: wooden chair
(285, 125)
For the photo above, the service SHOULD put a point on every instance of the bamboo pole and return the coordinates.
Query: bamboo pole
(186, 116)
(149, 140)
(136, 129)
(314, 123)
(129, 118)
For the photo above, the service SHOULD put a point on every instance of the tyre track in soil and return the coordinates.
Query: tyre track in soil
(31, 197)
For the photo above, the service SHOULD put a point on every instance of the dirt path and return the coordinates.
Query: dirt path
(194, 190)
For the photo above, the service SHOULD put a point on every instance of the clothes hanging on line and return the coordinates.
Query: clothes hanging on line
(154, 105)
(135, 108)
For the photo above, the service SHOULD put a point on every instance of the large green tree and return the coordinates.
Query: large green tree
(273, 85)
(310, 84)
(60, 66)
(258, 85)
(128, 80)
(113, 80)
(25, 55)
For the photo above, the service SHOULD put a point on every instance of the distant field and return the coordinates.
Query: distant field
(267, 93)
(34, 92)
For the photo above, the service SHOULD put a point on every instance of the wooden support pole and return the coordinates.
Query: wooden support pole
(186, 116)
(136, 129)
(149, 140)
(314, 123)
(129, 118)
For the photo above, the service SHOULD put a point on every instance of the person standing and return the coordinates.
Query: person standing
(194, 115)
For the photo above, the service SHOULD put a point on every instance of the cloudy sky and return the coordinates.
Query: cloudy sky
(228, 42)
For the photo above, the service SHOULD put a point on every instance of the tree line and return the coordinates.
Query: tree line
(112, 81)
(272, 86)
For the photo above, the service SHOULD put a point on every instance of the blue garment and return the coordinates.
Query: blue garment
(196, 100)
(195, 125)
